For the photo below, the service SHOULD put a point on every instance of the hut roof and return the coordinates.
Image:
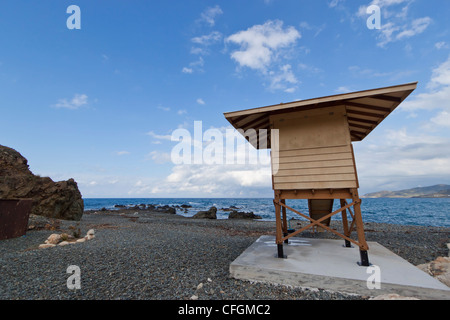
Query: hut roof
(365, 109)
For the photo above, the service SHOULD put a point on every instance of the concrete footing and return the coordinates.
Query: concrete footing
(328, 264)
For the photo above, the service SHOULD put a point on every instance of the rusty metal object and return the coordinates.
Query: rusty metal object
(14, 214)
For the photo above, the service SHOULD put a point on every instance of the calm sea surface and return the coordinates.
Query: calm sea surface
(420, 211)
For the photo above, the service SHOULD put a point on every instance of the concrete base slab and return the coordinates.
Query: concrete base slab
(327, 264)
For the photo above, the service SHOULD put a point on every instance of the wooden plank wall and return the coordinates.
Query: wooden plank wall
(314, 150)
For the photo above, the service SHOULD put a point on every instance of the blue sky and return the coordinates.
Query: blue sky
(99, 104)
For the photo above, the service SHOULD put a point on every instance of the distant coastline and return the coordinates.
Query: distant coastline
(436, 191)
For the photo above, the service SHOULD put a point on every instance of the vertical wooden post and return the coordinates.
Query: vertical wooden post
(363, 247)
(345, 224)
(285, 228)
(279, 228)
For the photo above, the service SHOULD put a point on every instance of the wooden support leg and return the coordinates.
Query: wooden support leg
(345, 225)
(360, 230)
(285, 228)
(279, 231)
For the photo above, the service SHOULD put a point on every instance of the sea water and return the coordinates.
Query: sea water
(411, 211)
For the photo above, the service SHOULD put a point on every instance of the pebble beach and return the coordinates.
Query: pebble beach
(158, 256)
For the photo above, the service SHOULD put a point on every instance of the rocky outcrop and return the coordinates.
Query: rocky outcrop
(59, 200)
(210, 214)
(242, 215)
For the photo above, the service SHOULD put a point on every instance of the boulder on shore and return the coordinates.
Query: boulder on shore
(210, 214)
(58, 200)
(242, 215)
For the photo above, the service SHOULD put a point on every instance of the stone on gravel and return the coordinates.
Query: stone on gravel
(210, 214)
(392, 296)
(53, 239)
(439, 269)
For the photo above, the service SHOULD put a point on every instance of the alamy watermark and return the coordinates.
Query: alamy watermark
(374, 21)
(374, 280)
(74, 281)
(74, 20)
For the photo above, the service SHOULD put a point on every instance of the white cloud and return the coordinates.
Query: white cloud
(122, 153)
(438, 95)
(200, 101)
(284, 79)
(384, 5)
(204, 42)
(417, 26)
(334, 3)
(159, 136)
(343, 89)
(392, 32)
(230, 180)
(260, 44)
(264, 48)
(207, 39)
(436, 99)
(159, 157)
(441, 75)
(76, 102)
(210, 14)
(194, 66)
(357, 71)
(167, 109)
(442, 119)
(400, 158)
(316, 29)
(187, 70)
(441, 45)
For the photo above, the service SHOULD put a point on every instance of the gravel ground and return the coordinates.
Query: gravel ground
(162, 256)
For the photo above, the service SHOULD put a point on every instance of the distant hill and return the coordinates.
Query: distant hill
(437, 191)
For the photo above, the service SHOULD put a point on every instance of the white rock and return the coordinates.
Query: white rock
(46, 245)
(392, 296)
(91, 232)
(194, 297)
(200, 286)
(53, 239)
(439, 269)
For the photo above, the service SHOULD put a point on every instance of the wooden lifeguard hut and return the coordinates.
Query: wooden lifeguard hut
(312, 155)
